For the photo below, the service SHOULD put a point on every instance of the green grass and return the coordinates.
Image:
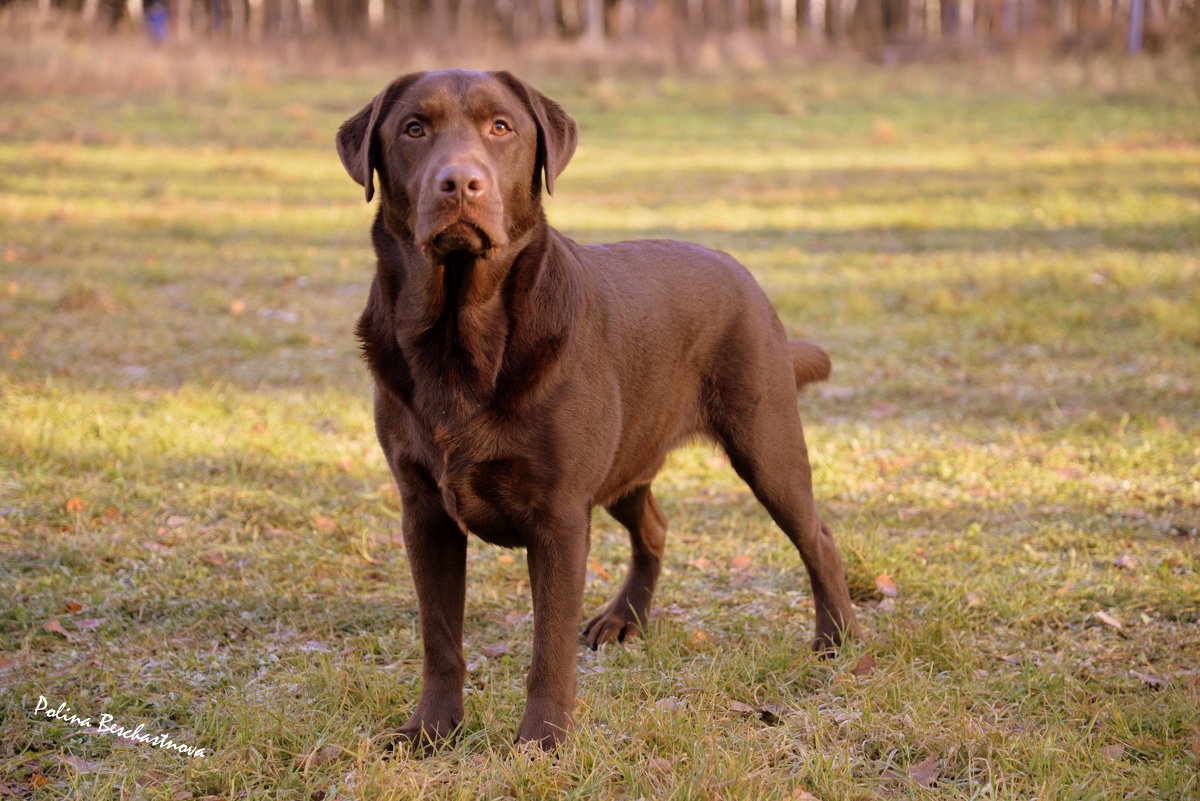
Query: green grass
(1006, 270)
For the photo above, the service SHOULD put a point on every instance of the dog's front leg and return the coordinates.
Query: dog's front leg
(437, 555)
(557, 557)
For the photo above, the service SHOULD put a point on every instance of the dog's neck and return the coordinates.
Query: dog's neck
(451, 321)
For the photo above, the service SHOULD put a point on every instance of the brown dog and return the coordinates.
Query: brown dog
(522, 379)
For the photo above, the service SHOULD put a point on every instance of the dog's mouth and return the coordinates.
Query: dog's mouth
(461, 237)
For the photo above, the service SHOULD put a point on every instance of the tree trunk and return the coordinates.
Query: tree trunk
(816, 21)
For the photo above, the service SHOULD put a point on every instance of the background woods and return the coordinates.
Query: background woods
(881, 25)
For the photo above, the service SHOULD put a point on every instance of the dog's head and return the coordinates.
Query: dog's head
(460, 157)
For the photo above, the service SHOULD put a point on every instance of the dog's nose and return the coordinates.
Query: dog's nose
(461, 182)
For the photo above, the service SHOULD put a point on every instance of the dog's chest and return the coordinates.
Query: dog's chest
(490, 484)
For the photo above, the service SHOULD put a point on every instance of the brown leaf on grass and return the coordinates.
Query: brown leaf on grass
(660, 765)
(237, 307)
(89, 623)
(70, 608)
(882, 410)
(325, 525)
(1149, 678)
(925, 772)
(215, 558)
(883, 131)
(81, 765)
(864, 665)
(37, 779)
(1064, 589)
(740, 562)
(317, 757)
(54, 627)
(175, 521)
(7, 664)
(800, 794)
(701, 636)
(1113, 752)
(1125, 561)
(974, 600)
(75, 506)
(771, 714)
(492, 651)
(1107, 619)
(600, 571)
(886, 586)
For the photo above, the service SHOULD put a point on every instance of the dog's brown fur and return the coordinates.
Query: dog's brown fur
(522, 379)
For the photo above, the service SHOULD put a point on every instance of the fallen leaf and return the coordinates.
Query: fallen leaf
(882, 410)
(740, 562)
(81, 765)
(1113, 752)
(36, 779)
(505, 559)
(864, 665)
(1107, 619)
(770, 714)
(925, 772)
(70, 608)
(800, 794)
(973, 599)
(738, 706)
(7, 664)
(89, 623)
(660, 765)
(700, 636)
(325, 525)
(237, 308)
(321, 756)
(75, 506)
(215, 558)
(54, 627)
(885, 585)
(175, 521)
(1125, 561)
(883, 131)
(1064, 589)
(492, 651)
(1149, 678)
(599, 570)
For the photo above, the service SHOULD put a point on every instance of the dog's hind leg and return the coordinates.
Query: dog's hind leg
(626, 614)
(761, 432)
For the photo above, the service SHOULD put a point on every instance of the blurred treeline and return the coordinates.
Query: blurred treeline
(889, 28)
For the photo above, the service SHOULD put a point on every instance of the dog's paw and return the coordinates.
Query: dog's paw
(617, 623)
(541, 734)
(424, 735)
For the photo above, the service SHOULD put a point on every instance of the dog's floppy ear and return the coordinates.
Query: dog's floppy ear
(558, 134)
(356, 143)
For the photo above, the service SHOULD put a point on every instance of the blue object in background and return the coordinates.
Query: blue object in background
(156, 21)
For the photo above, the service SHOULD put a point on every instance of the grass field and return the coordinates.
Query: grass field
(199, 534)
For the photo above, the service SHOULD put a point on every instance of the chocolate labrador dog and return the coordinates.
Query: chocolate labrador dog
(522, 379)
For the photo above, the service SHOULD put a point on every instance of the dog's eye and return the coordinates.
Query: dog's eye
(414, 129)
(500, 128)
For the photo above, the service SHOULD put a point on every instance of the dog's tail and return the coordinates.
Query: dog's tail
(810, 362)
